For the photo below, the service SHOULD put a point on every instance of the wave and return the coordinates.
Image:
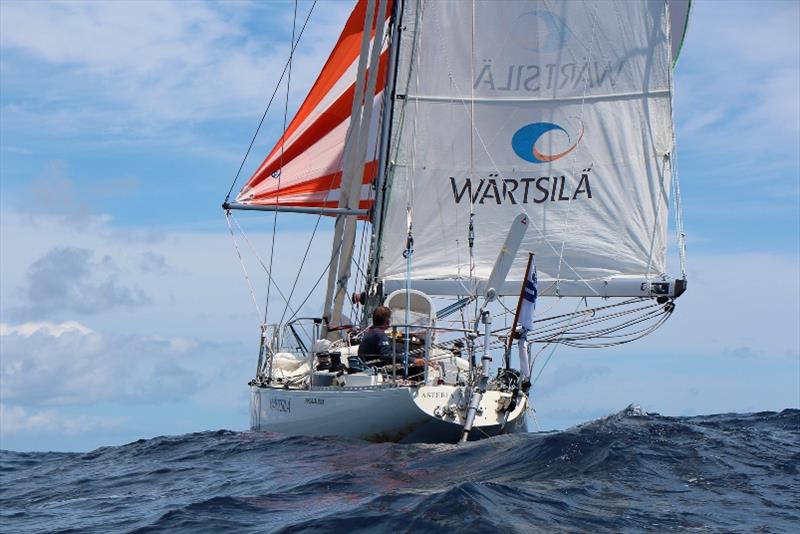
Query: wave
(628, 471)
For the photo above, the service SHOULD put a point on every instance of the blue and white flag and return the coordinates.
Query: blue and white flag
(527, 305)
(528, 302)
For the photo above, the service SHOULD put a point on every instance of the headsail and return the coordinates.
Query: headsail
(308, 157)
(561, 111)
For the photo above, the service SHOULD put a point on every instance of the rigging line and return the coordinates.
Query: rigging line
(681, 233)
(300, 269)
(530, 218)
(574, 156)
(319, 218)
(597, 308)
(472, 266)
(619, 339)
(608, 333)
(676, 186)
(549, 356)
(314, 287)
(260, 261)
(662, 192)
(599, 319)
(280, 167)
(308, 248)
(269, 104)
(411, 196)
(328, 191)
(579, 332)
(617, 331)
(592, 312)
(578, 336)
(241, 261)
(637, 335)
(360, 275)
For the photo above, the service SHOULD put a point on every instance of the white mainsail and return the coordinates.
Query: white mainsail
(561, 111)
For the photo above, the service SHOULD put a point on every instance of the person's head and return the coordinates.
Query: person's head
(381, 316)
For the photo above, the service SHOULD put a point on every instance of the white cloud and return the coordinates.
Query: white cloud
(202, 290)
(69, 364)
(48, 329)
(117, 68)
(737, 84)
(18, 420)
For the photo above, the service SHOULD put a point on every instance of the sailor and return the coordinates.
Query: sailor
(376, 347)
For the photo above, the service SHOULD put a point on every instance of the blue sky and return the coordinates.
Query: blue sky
(124, 313)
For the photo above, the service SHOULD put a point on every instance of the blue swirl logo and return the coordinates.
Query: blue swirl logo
(524, 142)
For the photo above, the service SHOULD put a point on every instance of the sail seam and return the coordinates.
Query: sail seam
(487, 99)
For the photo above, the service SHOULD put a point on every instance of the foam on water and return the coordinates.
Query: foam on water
(628, 471)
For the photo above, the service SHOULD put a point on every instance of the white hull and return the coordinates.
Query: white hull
(407, 414)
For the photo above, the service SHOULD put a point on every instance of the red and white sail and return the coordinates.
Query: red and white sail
(304, 168)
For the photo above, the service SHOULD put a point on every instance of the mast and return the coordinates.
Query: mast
(354, 158)
(382, 179)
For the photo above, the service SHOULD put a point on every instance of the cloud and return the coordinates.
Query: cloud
(141, 67)
(69, 364)
(50, 329)
(192, 278)
(75, 200)
(737, 86)
(18, 420)
(150, 262)
(69, 280)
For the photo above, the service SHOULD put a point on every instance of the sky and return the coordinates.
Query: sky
(124, 313)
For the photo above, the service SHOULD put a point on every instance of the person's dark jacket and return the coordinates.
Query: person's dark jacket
(375, 347)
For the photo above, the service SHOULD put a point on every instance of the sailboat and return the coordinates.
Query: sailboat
(493, 153)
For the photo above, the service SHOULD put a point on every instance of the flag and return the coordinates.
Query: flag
(528, 302)
(527, 305)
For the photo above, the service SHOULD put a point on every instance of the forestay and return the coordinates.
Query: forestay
(559, 110)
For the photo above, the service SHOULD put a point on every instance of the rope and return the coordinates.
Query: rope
(664, 161)
(260, 261)
(679, 229)
(676, 187)
(314, 287)
(574, 156)
(561, 330)
(269, 104)
(280, 168)
(241, 262)
(549, 356)
(300, 270)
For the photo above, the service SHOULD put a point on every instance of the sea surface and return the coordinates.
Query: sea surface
(626, 472)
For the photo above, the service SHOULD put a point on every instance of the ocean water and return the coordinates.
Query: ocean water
(626, 472)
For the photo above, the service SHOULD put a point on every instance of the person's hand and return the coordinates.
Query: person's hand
(419, 362)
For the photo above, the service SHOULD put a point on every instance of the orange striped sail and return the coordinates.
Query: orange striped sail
(304, 168)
